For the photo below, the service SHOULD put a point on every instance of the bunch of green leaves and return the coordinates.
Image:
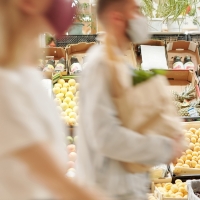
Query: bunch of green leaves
(140, 76)
(175, 9)
(49, 38)
(81, 11)
(147, 8)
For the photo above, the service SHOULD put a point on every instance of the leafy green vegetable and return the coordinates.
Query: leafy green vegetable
(140, 76)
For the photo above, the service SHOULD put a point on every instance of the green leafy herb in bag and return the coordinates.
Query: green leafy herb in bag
(140, 76)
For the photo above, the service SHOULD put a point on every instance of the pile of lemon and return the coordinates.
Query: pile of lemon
(67, 99)
(177, 190)
(191, 157)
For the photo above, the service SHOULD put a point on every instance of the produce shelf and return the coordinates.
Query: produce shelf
(185, 178)
(169, 37)
(65, 40)
(195, 37)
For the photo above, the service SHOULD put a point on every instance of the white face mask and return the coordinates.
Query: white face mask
(138, 30)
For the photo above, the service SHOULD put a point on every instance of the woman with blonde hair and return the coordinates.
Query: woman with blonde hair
(32, 154)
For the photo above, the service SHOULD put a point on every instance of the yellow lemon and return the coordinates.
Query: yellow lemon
(64, 106)
(63, 90)
(72, 122)
(72, 104)
(61, 81)
(66, 85)
(72, 115)
(72, 89)
(67, 100)
(57, 85)
(68, 111)
(56, 90)
(72, 82)
(69, 94)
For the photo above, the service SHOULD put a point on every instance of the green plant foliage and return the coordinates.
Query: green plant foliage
(81, 14)
(147, 8)
(173, 9)
(49, 38)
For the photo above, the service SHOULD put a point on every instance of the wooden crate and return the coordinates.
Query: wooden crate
(160, 196)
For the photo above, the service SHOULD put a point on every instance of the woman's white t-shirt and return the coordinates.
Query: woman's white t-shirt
(27, 116)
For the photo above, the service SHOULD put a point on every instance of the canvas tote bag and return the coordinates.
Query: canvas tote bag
(146, 108)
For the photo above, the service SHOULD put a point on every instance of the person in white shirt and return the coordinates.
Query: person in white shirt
(103, 141)
(32, 151)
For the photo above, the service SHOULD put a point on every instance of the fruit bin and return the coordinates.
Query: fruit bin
(162, 180)
(159, 181)
(185, 178)
(66, 93)
(169, 191)
(189, 163)
(193, 186)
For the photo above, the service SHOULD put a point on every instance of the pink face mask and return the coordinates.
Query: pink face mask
(60, 15)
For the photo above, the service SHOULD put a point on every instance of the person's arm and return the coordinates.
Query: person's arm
(30, 130)
(45, 167)
(110, 137)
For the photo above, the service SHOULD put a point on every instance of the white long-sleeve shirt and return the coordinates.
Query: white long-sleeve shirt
(103, 141)
(27, 117)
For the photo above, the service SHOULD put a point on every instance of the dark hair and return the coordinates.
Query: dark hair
(102, 5)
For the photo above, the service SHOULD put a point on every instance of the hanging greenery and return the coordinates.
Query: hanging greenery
(148, 8)
(173, 9)
(82, 14)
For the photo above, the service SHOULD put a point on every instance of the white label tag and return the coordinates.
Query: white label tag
(192, 46)
(193, 112)
(169, 46)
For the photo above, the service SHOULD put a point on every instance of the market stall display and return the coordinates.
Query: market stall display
(183, 87)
